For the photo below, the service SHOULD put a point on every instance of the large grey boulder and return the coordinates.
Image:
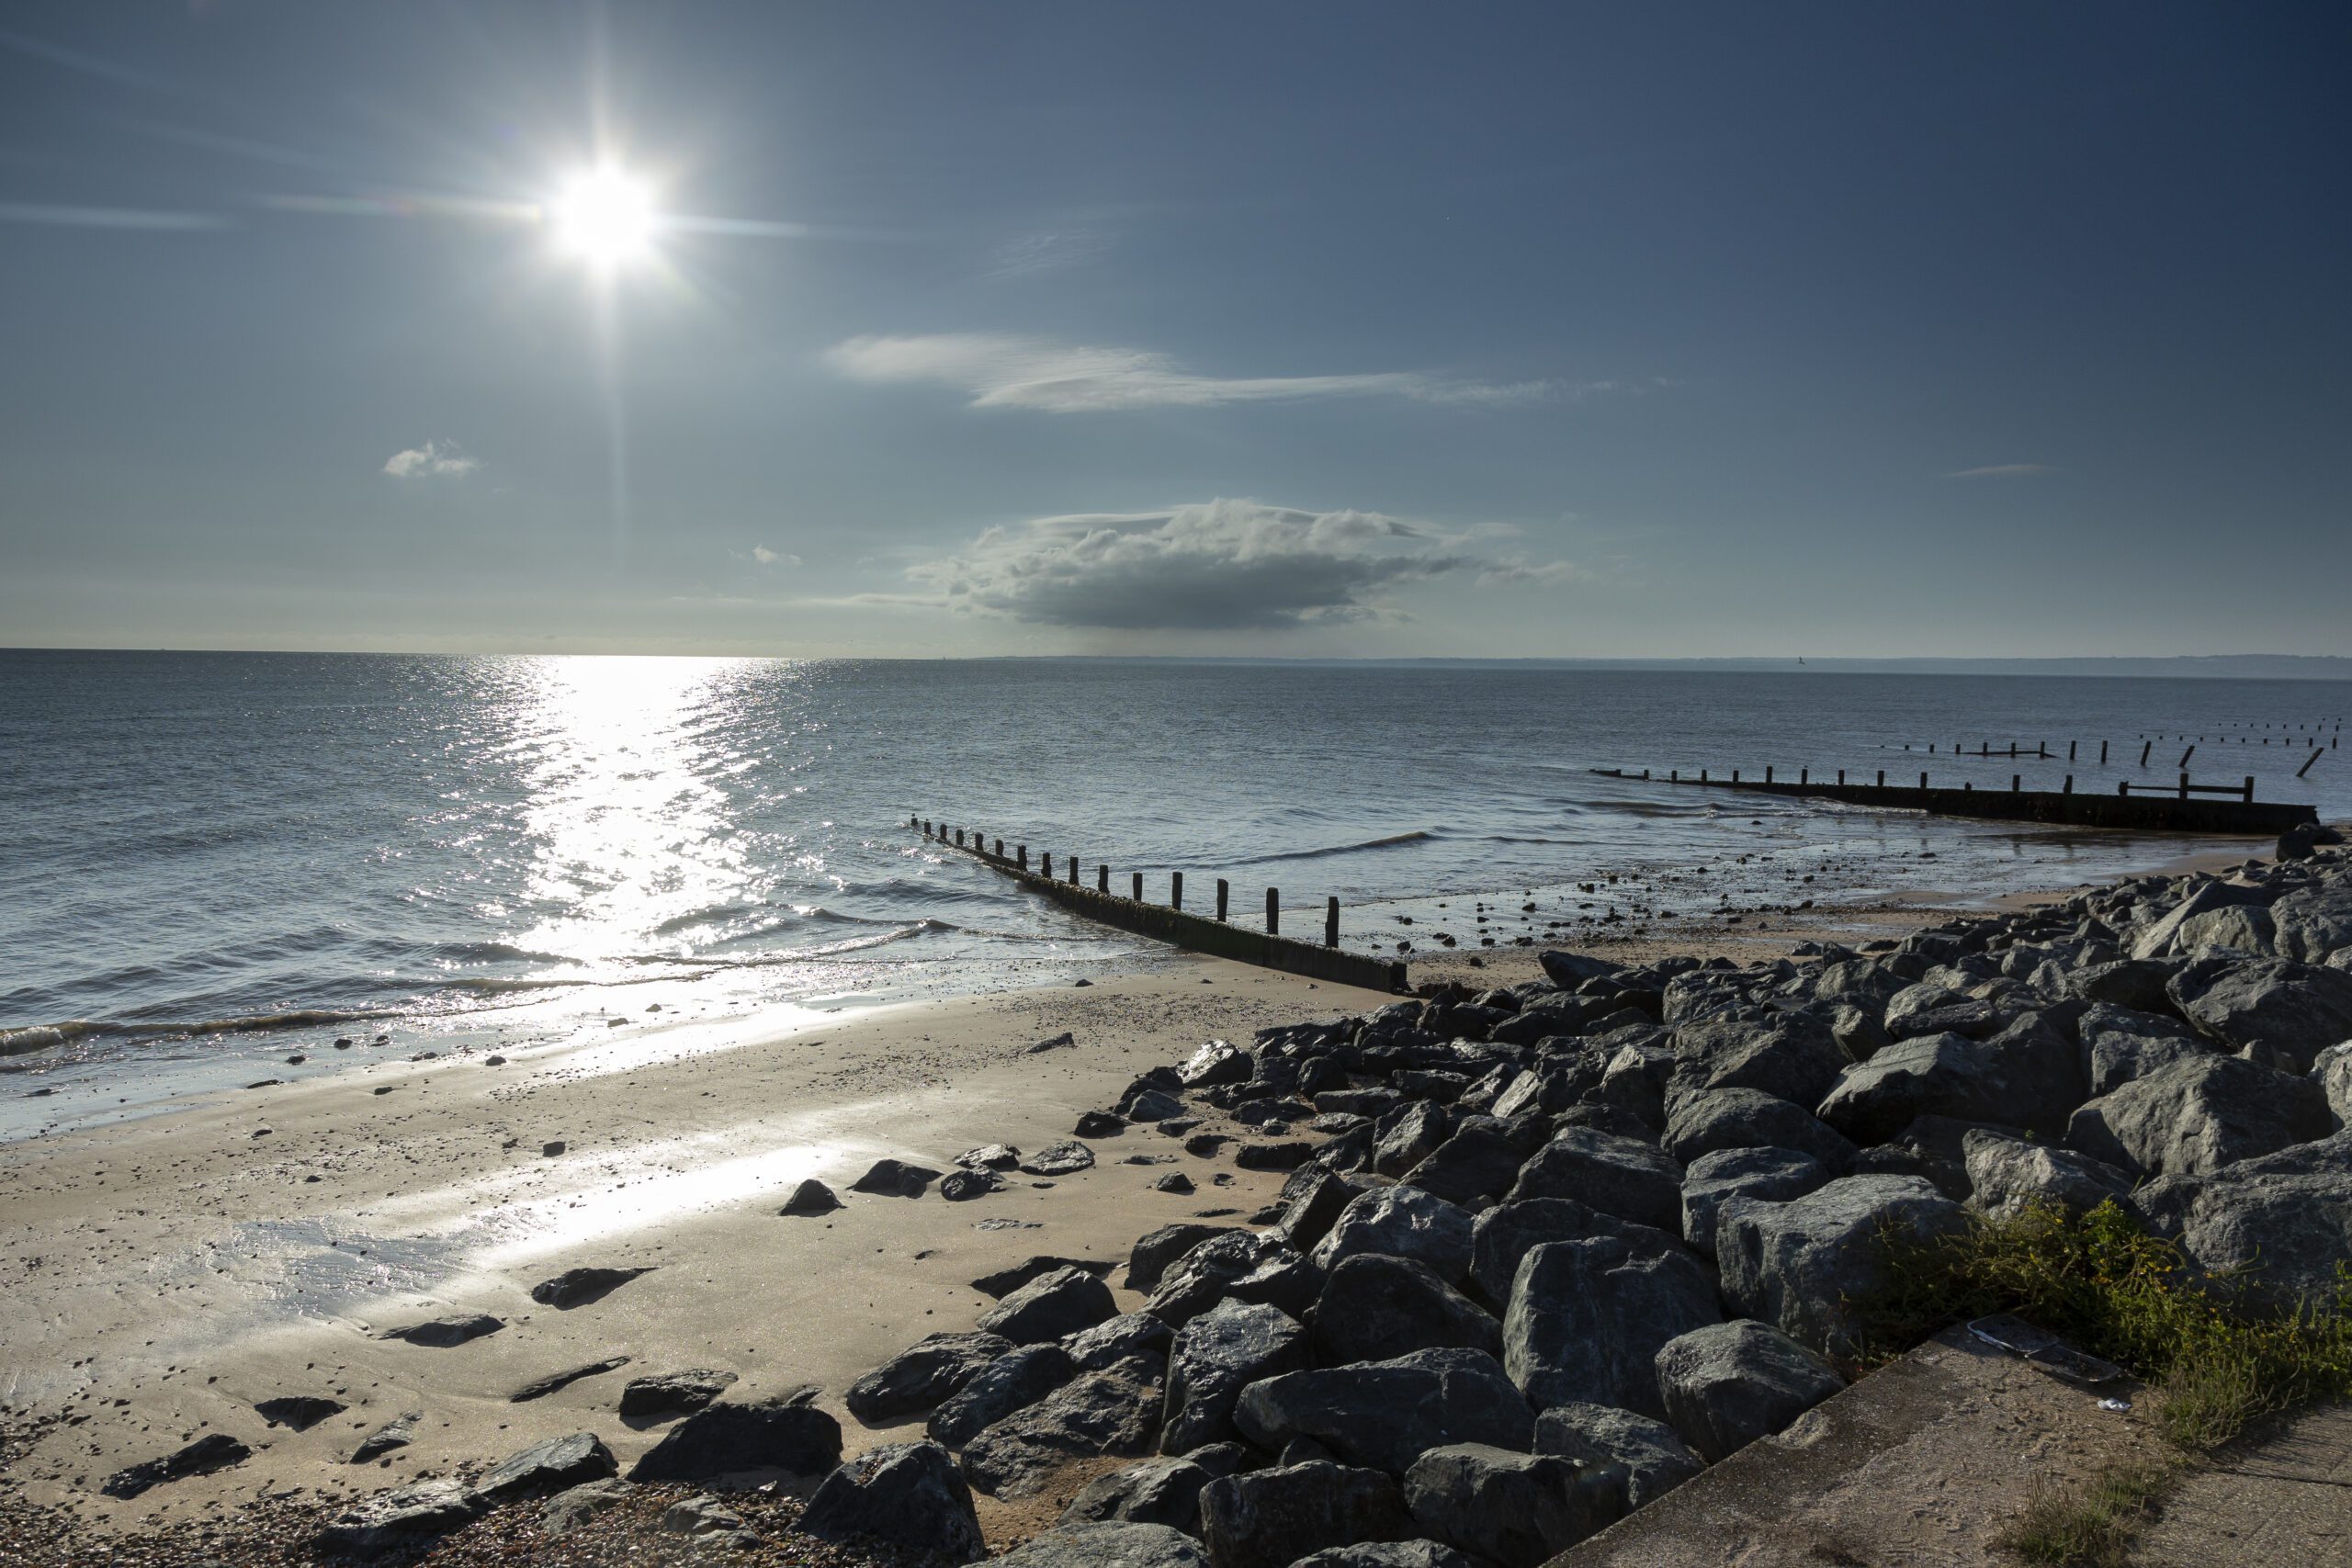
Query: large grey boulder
(2332, 1071)
(1509, 1232)
(729, 1439)
(2285, 1219)
(1309, 1213)
(1801, 1263)
(2028, 1075)
(1150, 1257)
(1478, 1162)
(1165, 1491)
(1114, 1412)
(2210, 893)
(1387, 1414)
(1400, 1221)
(1012, 1381)
(1376, 1307)
(1750, 1119)
(548, 1465)
(2291, 1010)
(1516, 1509)
(1403, 1143)
(2199, 1115)
(1219, 1353)
(1049, 1307)
(2119, 1044)
(1932, 1007)
(1386, 1555)
(1628, 1178)
(1654, 1458)
(1116, 1339)
(2134, 984)
(1242, 1266)
(1714, 1179)
(2006, 1175)
(1726, 1385)
(921, 1375)
(2313, 923)
(1108, 1545)
(908, 1494)
(1794, 1056)
(400, 1519)
(1587, 1318)
(1270, 1519)
(2240, 927)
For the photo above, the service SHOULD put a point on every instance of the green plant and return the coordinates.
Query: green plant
(2090, 1526)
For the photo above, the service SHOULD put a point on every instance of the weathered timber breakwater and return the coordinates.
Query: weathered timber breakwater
(2181, 808)
(1544, 1252)
(1169, 922)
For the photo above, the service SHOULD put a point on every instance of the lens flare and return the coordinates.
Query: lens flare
(605, 218)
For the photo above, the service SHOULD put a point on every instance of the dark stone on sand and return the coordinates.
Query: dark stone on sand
(1286, 1155)
(908, 1494)
(396, 1433)
(1100, 1124)
(895, 1179)
(962, 1186)
(1174, 1181)
(299, 1411)
(729, 1440)
(673, 1394)
(922, 1376)
(539, 1388)
(1005, 1281)
(578, 1287)
(1064, 1158)
(547, 1466)
(1270, 1519)
(811, 1197)
(214, 1451)
(1050, 1306)
(441, 1333)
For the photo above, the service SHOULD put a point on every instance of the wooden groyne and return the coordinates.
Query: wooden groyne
(2181, 808)
(1171, 923)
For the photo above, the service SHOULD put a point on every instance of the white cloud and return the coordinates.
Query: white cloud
(433, 460)
(767, 556)
(1003, 370)
(1212, 565)
(2001, 472)
(1541, 574)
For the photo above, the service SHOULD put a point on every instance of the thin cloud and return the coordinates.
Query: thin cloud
(119, 218)
(2001, 472)
(1518, 570)
(1003, 370)
(767, 556)
(433, 460)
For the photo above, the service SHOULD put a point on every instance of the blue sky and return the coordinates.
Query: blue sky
(1305, 329)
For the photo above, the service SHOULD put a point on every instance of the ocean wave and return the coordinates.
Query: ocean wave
(41, 1036)
(1418, 835)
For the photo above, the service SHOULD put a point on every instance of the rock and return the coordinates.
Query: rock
(546, 1466)
(214, 1451)
(990, 1156)
(1309, 1214)
(2132, 984)
(441, 1333)
(1722, 1119)
(1216, 1063)
(2293, 1009)
(1570, 970)
(1116, 1340)
(396, 1433)
(1113, 1412)
(1005, 1281)
(1152, 1255)
(1175, 1181)
(2332, 1071)
(2027, 1076)
(1288, 1155)
(895, 1179)
(908, 1494)
(1049, 1307)
(539, 1388)
(1931, 1009)
(2163, 936)
(811, 1197)
(1798, 1264)
(1014, 1381)
(1478, 1162)
(1270, 1519)
(1100, 1124)
(2314, 923)
(2239, 927)
(1656, 1460)
(1795, 1057)
(1108, 1545)
(1387, 1413)
(1154, 1105)
(1587, 1318)
(1216, 1355)
(2006, 1175)
(1405, 1142)
(1204, 1145)
(391, 1522)
(1714, 1179)
(1400, 1221)
(1509, 1232)
(1242, 1266)
(924, 1375)
(1516, 1509)
(1057, 1041)
(1064, 1158)
(725, 1438)
(2119, 1044)
(672, 1393)
(576, 1506)
(1374, 1308)
(1625, 1177)
(1156, 1492)
(578, 1287)
(299, 1411)
(2199, 1115)
(1726, 1385)
(962, 1186)
(2286, 1218)
(1386, 1555)
(705, 1518)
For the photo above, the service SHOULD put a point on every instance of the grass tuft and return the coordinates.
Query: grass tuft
(2090, 1526)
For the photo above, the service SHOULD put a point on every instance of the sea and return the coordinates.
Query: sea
(211, 864)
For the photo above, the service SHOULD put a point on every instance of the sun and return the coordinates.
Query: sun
(604, 217)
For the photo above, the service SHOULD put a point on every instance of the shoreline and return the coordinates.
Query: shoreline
(192, 1262)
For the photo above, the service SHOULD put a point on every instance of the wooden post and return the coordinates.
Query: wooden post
(2248, 793)
(1221, 891)
(1841, 778)
(1804, 776)
(2102, 753)
(1923, 781)
(1073, 871)
(2184, 787)
(1735, 776)
(1674, 776)
(1102, 880)
(2307, 762)
(2017, 782)
(2185, 755)
(1767, 772)
(2123, 786)
(1331, 921)
(1046, 865)
(1968, 786)
(999, 849)
(1702, 775)
(1274, 912)
(1175, 889)
(1881, 778)
(1137, 885)
(2069, 785)
(2145, 746)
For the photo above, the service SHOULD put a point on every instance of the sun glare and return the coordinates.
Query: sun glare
(604, 217)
